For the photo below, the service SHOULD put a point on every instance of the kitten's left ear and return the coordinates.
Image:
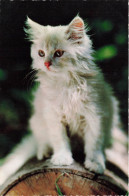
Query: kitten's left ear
(33, 29)
(76, 29)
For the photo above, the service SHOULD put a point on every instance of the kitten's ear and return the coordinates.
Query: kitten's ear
(32, 29)
(76, 29)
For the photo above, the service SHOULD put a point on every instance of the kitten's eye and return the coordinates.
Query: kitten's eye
(58, 53)
(41, 53)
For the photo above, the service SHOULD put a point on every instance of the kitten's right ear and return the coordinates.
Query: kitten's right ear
(76, 30)
(32, 29)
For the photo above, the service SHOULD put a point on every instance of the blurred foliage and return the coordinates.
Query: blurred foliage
(106, 52)
(3, 74)
(17, 85)
(103, 25)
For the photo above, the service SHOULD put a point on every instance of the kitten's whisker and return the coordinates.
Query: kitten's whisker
(29, 82)
(28, 74)
(32, 79)
(31, 75)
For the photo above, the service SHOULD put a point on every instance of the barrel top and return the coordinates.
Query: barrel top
(36, 168)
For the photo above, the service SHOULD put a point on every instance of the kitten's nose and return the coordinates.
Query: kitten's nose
(47, 64)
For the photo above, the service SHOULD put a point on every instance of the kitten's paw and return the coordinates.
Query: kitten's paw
(93, 165)
(43, 153)
(41, 156)
(62, 159)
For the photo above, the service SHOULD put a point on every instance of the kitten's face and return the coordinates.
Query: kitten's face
(55, 49)
(51, 51)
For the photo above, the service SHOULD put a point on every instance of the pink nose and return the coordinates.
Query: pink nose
(47, 64)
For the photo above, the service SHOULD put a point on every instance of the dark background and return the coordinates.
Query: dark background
(108, 29)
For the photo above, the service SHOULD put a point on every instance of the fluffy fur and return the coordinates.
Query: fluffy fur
(72, 93)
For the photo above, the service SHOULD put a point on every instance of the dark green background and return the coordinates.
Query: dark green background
(108, 23)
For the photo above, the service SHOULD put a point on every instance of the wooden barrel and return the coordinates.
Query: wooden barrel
(38, 178)
(41, 178)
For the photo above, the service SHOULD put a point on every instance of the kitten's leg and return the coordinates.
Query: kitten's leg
(59, 140)
(61, 146)
(22, 152)
(95, 160)
(39, 129)
(62, 152)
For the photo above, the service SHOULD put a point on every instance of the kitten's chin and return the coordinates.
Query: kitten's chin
(49, 71)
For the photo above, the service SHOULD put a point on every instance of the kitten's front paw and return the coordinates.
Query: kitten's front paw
(43, 153)
(62, 159)
(93, 165)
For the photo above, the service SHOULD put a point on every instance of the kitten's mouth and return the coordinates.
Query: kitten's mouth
(48, 68)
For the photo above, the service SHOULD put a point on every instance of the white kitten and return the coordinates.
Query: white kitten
(72, 92)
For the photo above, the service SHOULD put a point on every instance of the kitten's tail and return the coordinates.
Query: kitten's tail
(22, 153)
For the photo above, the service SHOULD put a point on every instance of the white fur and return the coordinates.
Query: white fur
(22, 153)
(73, 92)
